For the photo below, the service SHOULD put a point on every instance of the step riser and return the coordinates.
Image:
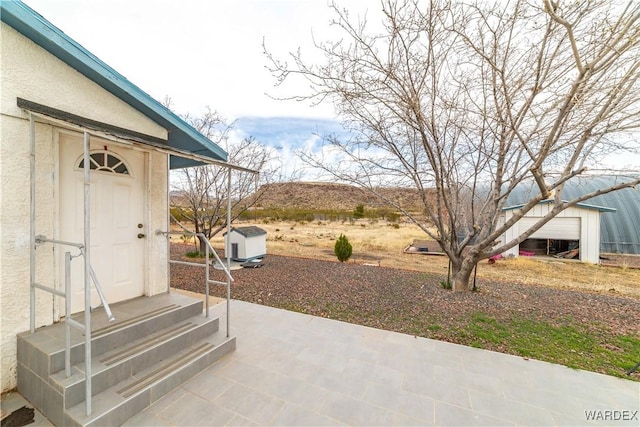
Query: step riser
(120, 337)
(157, 344)
(120, 371)
(32, 352)
(149, 395)
(41, 394)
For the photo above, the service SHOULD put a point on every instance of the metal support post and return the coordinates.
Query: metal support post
(206, 271)
(67, 314)
(87, 270)
(32, 220)
(168, 224)
(228, 249)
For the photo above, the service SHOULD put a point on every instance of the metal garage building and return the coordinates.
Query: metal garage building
(619, 231)
(577, 227)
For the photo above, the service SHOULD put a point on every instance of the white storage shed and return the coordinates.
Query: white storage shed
(247, 243)
(577, 227)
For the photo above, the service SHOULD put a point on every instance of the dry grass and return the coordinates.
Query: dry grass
(380, 242)
(366, 237)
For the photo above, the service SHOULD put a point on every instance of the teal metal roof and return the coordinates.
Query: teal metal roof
(580, 205)
(182, 136)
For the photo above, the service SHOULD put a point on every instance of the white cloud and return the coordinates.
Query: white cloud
(200, 53)
(209, 53)
(288, 135)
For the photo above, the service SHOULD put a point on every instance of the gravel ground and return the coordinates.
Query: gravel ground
(408, 301)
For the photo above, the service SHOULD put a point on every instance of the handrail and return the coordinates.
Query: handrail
(105, 304)
(68, 321)
(208, 244)
(208, 249)
(43, 239)
(40, 239)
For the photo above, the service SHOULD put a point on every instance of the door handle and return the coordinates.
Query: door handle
(140, 235)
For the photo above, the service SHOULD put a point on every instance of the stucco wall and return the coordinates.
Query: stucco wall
(31, 73)
(15, 234)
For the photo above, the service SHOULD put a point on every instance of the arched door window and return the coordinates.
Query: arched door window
(105, 161)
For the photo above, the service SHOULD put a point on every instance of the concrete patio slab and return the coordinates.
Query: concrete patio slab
(291, 369)
(294, 369)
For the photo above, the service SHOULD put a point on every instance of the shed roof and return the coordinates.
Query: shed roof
(249, 231)
(182, 136)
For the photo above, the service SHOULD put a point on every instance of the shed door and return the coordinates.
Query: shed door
(559, 228)
(117, 218)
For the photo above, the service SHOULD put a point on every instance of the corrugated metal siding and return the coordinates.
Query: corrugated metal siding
(619, 231)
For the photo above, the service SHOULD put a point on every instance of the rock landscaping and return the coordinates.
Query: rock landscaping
(594, 331)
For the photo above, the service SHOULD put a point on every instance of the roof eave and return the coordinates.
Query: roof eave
(580, 205)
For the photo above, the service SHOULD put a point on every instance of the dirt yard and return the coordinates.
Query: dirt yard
(561, 311)
(381, 243)
(511, 313)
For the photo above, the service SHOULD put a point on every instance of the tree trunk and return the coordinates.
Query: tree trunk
(462, 274)
(202, 245)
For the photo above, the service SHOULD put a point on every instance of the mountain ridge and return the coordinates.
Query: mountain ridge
(333, 196)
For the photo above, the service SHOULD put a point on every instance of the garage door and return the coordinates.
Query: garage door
(557, 228)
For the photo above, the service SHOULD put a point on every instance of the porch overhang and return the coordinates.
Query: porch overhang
(179, 158)
(182, 137)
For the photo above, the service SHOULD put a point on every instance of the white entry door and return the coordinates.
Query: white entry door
(117, 218)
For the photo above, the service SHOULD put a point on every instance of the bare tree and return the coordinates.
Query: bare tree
(466, 101)
(202, 193)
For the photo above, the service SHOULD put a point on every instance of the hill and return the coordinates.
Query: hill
(322, 195)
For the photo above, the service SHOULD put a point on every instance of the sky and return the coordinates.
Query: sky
(199, 52)
(209, 53)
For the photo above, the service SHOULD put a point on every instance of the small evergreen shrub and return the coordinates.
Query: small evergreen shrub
(358, 212)
(343, 248)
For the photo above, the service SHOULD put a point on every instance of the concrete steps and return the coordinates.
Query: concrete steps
(155, 344)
